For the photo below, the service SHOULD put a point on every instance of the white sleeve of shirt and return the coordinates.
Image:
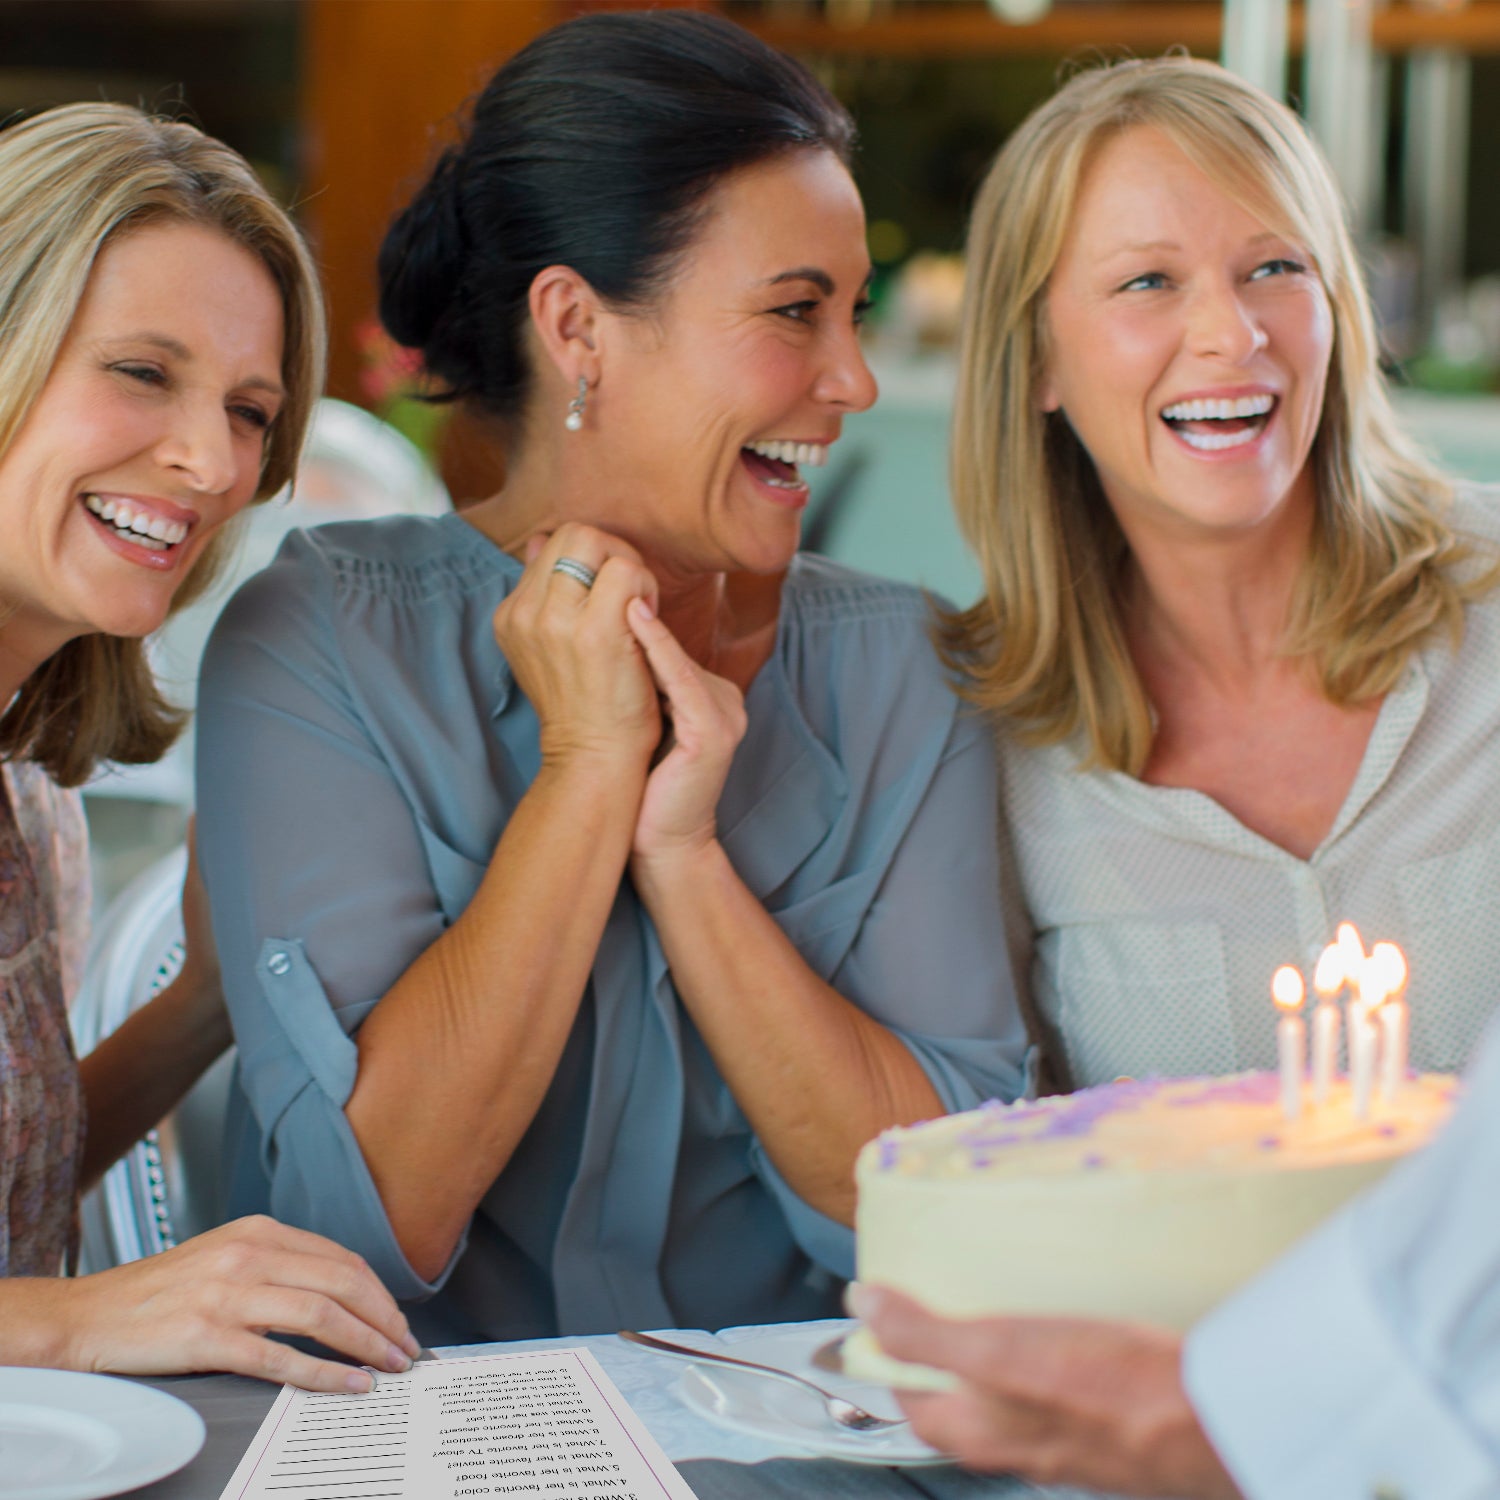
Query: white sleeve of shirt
(1365, 1365)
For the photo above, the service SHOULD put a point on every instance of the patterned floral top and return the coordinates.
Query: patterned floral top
(44, 902)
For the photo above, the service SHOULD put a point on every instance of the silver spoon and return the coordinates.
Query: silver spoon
(845, 1413)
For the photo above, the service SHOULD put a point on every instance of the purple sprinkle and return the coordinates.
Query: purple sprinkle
(888, 1154)
(1092, 1162)
(1248, 1088)
(1386, 1130)
(1269, 1142)
(979, 1161)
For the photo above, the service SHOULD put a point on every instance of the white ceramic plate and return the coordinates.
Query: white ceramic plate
(65, 1436)
(782, 1413)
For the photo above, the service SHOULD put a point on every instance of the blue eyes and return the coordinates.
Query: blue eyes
(145, 374)
(1155, 281)
(254, 417)
(1281, 267)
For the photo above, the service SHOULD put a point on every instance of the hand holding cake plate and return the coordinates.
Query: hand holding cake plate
(1146, 1200)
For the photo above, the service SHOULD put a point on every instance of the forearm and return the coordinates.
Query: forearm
(456, 1058)
(141, 1070)
(36, 1315)
(815, 1076)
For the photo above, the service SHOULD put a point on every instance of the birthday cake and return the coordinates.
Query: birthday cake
(1144, 1200)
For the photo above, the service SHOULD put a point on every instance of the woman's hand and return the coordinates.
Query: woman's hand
(209, 1304)
(678, 815)
(572, 652)
(1054, 1400)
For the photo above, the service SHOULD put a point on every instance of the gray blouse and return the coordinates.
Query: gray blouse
(1148, 920)
(360, 747)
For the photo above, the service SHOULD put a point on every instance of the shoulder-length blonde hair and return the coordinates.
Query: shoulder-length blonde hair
(1045, 649)
(72, 180)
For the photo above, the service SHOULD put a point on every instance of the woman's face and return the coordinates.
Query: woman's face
(1188, 346)
(147, 436)
(715, 405)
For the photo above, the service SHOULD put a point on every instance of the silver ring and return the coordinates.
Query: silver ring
(579, 572)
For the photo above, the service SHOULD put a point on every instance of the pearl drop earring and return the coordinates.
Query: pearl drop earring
(574, 419)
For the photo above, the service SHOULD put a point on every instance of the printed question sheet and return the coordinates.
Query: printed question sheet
(548, 1425)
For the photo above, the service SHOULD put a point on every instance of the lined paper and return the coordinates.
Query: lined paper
(548, 1425)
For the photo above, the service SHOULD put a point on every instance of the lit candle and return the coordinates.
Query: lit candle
(1291, 1037)
(1393, 1020)
(1352, 949)
(1364, 1039)
(1328, 980)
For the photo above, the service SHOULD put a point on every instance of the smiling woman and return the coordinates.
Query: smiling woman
(1240, 640)
(160, 350)
(148, 435)
(594, 874)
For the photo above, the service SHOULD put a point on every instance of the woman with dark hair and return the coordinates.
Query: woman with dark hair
(592, 874)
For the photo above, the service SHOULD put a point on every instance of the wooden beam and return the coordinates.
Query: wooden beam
(942, 30)
(383, 81)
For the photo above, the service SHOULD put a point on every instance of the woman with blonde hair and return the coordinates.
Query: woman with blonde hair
(161, 347)
(1239, 636)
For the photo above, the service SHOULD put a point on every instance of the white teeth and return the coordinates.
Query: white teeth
(155, 533)
(814, 455)
(1220, 410)
(1214, 442)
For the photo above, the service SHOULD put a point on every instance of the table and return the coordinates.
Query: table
(232, 1407)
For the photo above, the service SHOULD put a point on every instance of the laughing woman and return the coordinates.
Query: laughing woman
(160, 351)
(1241, 639)
(592, 874)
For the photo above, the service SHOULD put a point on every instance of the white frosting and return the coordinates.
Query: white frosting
(1147, 1201)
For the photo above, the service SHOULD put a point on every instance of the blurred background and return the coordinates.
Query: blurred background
(341, 104)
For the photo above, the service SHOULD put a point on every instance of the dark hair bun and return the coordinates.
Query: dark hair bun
(594, 147)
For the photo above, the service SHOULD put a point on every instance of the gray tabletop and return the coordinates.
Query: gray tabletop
(232, 1408)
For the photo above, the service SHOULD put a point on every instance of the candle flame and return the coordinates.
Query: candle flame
(1286, 988)
(1351, 947)
(1329, 976)
(1390, 963)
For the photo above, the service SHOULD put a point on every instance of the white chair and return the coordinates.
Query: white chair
(168, 1186)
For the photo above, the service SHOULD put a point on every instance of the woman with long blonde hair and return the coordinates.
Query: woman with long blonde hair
(161, 347)
(1244, 648)
(1239, 636)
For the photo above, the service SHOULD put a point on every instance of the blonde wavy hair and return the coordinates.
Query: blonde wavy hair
(1045, 649)
(71, 181)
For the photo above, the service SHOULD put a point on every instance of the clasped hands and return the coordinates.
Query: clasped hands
(614, 689)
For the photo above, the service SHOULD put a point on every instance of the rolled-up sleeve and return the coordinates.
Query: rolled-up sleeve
(1367, 1362)
(292, 796)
